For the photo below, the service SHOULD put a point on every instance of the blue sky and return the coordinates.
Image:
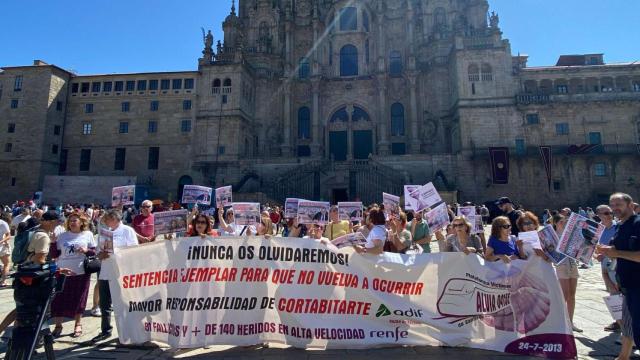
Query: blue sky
(115, 36)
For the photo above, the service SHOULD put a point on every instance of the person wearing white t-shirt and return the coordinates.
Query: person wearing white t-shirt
(377, 236)
(5, 247)
(123, 236)
(229, 227)
(25, 214)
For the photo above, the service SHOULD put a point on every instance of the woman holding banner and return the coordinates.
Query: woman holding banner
(502, 245)
(336, 227)
(567, 272)
(70, 250)
(201, 226)
(377, 235)
(463, 240)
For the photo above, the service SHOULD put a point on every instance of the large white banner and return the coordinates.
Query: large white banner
(244, 291)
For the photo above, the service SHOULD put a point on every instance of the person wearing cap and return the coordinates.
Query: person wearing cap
(506, 205)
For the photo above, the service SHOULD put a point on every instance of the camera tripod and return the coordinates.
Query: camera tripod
(35, 287)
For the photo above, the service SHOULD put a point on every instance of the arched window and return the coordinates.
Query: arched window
(304, 123)
(395, 63)
(349, 19)
(359, 115)
(397, 120)
(340, 115)
(226, 86)
(487, 72)
(348, 61)
(474, 73)
(303, 68)
(440, 17)
(215, 87)
(365, 20)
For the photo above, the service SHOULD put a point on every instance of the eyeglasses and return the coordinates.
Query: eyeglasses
(505, 226)
(458, 225)
(146, 206)
(202, 222)
(608, 213)
(527, 223)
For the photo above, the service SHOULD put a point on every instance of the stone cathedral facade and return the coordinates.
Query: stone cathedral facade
(336, 100)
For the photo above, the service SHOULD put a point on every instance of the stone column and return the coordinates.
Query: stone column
(349, 133)
(383, 123)
(415, 140)
(316, 129)
(286, 145)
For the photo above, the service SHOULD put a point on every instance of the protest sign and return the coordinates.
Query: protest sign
(424, 197)
(168, 222)
(614, 305)
(192, 293)
(123, 195)
(469, 213)
(580, 237)
(224, 196)
(313, 212)
(438, 218)
(549, 241)
(246, 213)
(530, 238)
(351, 211)
(194, 194)
(105, 240)
(291, 208)
(391, 205)
(356, 238)
(410, 203)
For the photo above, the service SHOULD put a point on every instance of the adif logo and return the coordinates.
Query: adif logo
(383, 311)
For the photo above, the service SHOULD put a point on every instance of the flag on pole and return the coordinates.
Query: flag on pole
(545, 152)
(499, 165)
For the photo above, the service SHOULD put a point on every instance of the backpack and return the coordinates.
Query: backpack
(20, 245)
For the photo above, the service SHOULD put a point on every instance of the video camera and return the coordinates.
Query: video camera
(34, 288)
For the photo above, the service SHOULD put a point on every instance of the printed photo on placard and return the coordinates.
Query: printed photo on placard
(194, 194)
(351, 211)
(168, 222)
(580, 237)
(291, 208)
(549, 241)
(246, 213)
(313, 212)
(123, 195)
(438, 218)
(224, 196)
(391, 205)
(424, 197)
(410, 203)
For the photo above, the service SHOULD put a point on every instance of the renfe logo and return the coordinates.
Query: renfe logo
(396, 334)
(383, 311)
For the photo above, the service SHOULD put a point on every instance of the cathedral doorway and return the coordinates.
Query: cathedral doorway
(350, 134)
(362, 144)
(338, 145)
(339, 195)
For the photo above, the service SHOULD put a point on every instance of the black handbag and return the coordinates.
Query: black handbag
(91, 264)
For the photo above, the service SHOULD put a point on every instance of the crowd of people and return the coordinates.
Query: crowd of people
(69, 234)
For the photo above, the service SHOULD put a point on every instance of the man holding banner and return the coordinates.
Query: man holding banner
(625, 247)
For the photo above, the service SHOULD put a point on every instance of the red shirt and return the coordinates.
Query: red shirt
(143, 225)
(275, 217)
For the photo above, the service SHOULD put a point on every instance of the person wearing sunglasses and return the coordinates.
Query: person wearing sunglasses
(201, 226)
(462, 240)
(143, 223)
(608, 265)
(502, 245)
